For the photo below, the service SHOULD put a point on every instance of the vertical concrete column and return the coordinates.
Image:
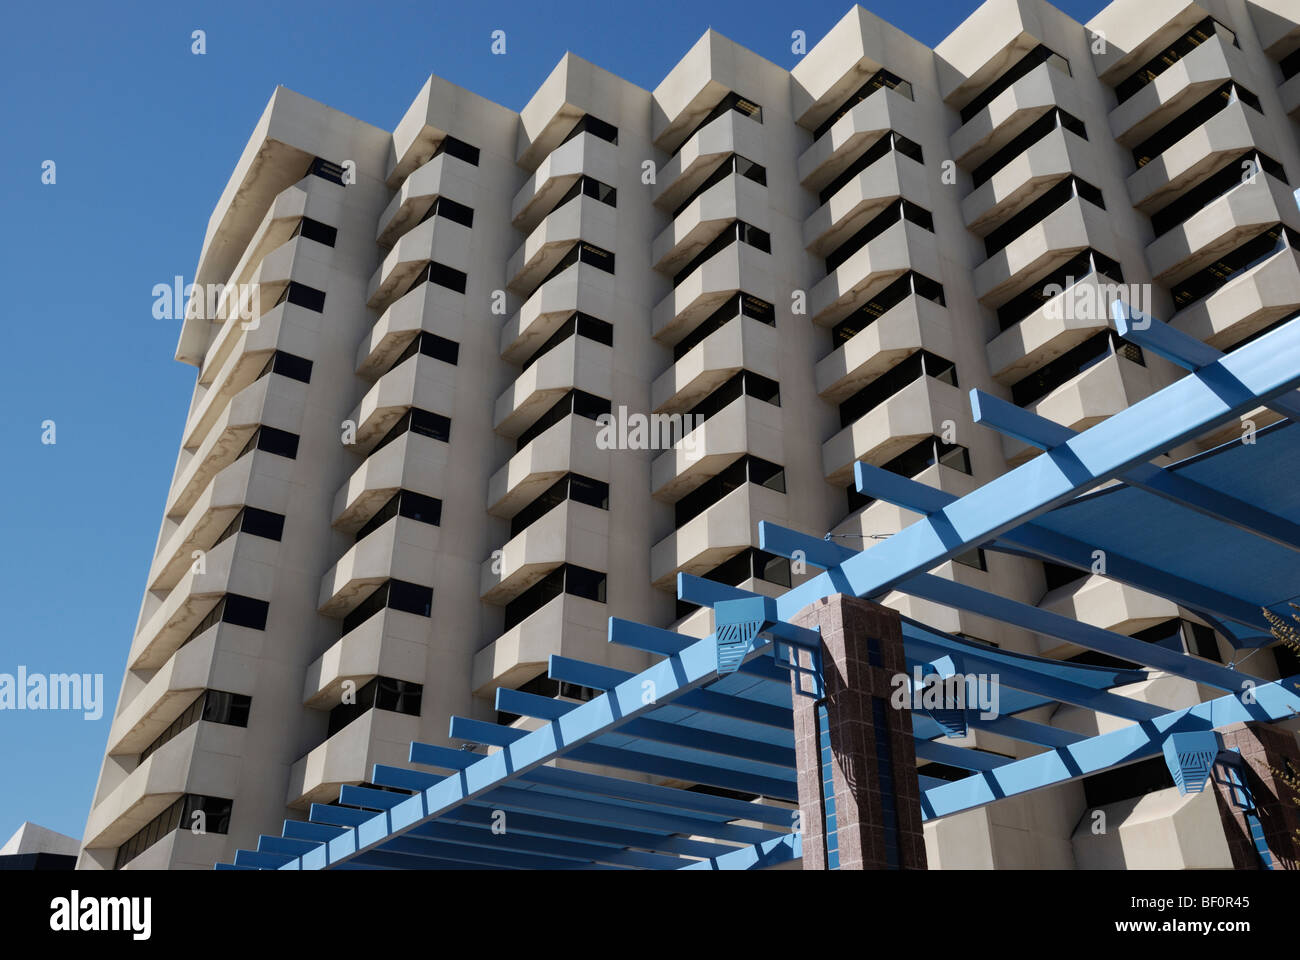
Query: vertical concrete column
(860, 742)
(1263, 748)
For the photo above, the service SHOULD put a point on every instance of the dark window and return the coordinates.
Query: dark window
(1057, 575)
(594, 126)
(732, 101)
(1232, 265)
(588, 187)
(747, 469)
(891, 142)
(1288, 663)
(449, 209)
(379, 693)
(1167, 634)
(880, 304)
(257, 523)
(892, 214)
(301, 295)
(458, 149)
(1228, 177)
(1202, 642)
(943, 771)
(443, 276)
(752, 563)
(880, 80)
(287, 365)
(582, 252)
(571, 486)
(320, 167)
(1064, 276)
(578, 324)
(429, 345)
(736, 230)
(394, 594)
(214, 706)
(1039, 210)
(543, 686)
(1127, 783)
(1040, 128)
(576, 402)
(415, 420)
(236, 610)
(568, 578)
(1167, 57)
(216, 819)
(1290, 64)
(743, 384)
(1022, 67)
(912, 461)
(315, 230)
(282, 443)
(1072, 363)
(734, 163)
(404, 503)
(739, 305)
(1191, 118)
(913, 368)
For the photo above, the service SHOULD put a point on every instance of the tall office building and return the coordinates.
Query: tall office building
(395, 491)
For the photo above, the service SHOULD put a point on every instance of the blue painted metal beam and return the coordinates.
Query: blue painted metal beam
(1272, 701)
(757, 857)
(507, 839)
(957, 595)
(1240, 381)
(531, 705)
(946, 753)
(873, 481)
(443, 758)
(629, 633)
(658, 765)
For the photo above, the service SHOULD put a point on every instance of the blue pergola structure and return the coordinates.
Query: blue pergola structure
(1218, 534)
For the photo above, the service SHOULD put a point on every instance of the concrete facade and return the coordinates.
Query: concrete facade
(347, 614)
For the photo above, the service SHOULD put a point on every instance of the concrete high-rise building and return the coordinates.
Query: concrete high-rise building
(394, 492)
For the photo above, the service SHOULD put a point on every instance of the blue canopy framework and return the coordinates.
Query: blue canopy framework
(1218, 534)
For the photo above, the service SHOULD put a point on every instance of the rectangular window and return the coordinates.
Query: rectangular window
(906, 372)
(880, 80)
(746, 469)
(426, 424)
(737, 230)
(255, 522)
(743, 384)
(543, 686)
(315, 230)
(1290, 64)
(1127, 783)
(394, 594)
(578, 324)
(458, 149)
(1194, 116)
(303, 296)
(571, 486)
(449, 209)
(441, 275)
(895, 293)
(569, 578)
(1022, 67)
(752, 563)
(282, 443)
(379, 693)
(213, 706)
(320, 167)
(594, 126)
(404, 503)
(581, 252)
(586, 186)
(287, 365)
(428, 345)
(575, 402)
(215, 818)
(739, 305)
(921, 456)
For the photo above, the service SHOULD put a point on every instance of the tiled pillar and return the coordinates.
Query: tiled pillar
(875, 822)
(1263, 748)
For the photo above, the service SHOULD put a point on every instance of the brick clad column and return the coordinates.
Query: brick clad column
(877, 805)
(1263, 747)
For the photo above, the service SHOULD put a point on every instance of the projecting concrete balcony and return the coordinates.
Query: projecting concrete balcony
(1104, 603)
(582, 287)
(1161, 830)
(273, 401)
(1028, 175)
(717, 534)
(1221, 226)
(443, 176)
(419, 381)
(1162, 690)
(584, 155)
(401, 549)
(411, 462)
(854, 133)
(1071, 227)
(913, 413)
(1289, 92)
(582, 218)
(571, 532)
(202, 524)
(1011, 111)
(429, 307)
(377, 736)
(576, 363)
(859, 200)
(735, 268)
(568, 447)
(902, 330)
(567, 626)
(204, 758)
(248, 305)
(439, 240)
(242, 564)
(902, 247)
(1225, 135)
(730, 133)
(1059, 325)
(741, 343)
(1245, 304)
(392, 643)
(745, 425)
(1104, 389)
(735, 197)
(1190, 79)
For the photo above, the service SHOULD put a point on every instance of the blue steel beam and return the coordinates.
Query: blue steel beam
(769, 854)
(1272, 701)
(962, 757)
(706, 773)
(509, 839)
(1234, 384)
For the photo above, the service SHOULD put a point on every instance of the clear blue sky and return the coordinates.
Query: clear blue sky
(145, 135)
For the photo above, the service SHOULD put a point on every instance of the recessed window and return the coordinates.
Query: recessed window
(287, 365)
(282, 443)
(567, 579)
(920, 364)
(1194, 116)
(1039, 210)
(732, 101)
(1238, 171)
(891, 142)
(743, 384)
(594, 126)
(582, 252)
(577, 325)
(213, 706)
(740, 305)
(1050, 284)
(586, 186)
(733, 164)
(880, 80)
(897, 211)
(428, 345)
(1167, 57)
(236, 610)
(391, 594)
(752, 563)
(745, 470)
(895, 293)
(215, 818)
(736, 231)
(1040, 128)
(303, 296)
(320, 167)
(1072, 363)
(920, 456)
(571, 486)
(441, 275)
(576, 403)
(449, 209)
(543, 686)
(458, 149)
(1231, 265)
(432, 425)
(1022, 67)
(404, 503)
(1128, 782)
(379, 693)
(315, 230)
(254, 522)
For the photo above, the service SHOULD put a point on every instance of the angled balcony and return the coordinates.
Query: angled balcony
(746, 425)
(1009, 189)
(1108, 604)
(1074, 226)
(1010, 112)
(568, 447)
(741, 342)
(584, 155)
(700, 223)
(737, 267)
(569, 533)
(443, 176)
(438, 239)
(852, 134)
(905, 328)
(1058, 326)
(1245, 304)
(203, 523)
(377, 736)
(392, 643)
(718, 533)
(411, 462)
(729, 133)
(419, 381)
(582, 218)
(401, 549)
(862, 198)
(582, 287)
(901, 247)
(576, 363)
(429, 307)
